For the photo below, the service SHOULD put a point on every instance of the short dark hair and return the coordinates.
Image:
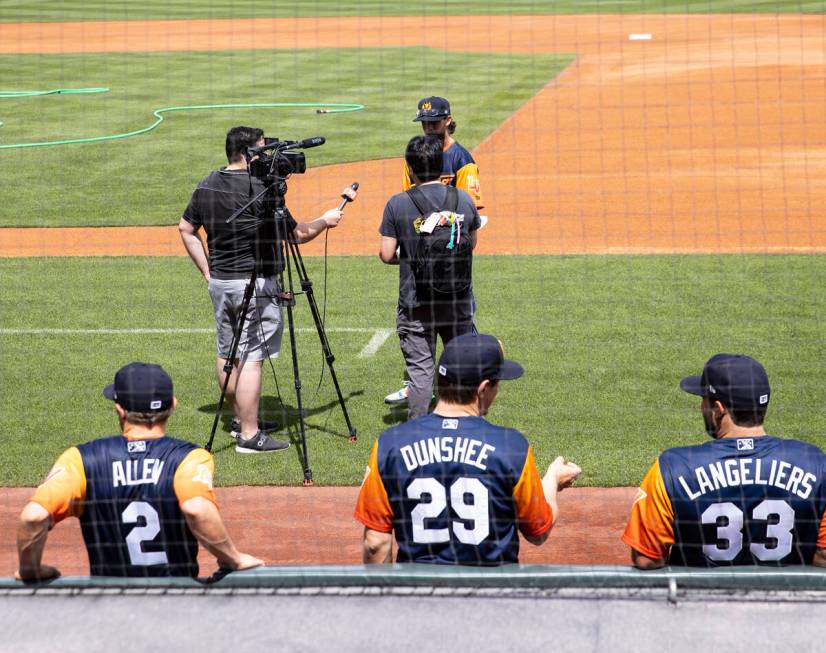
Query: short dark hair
(752, 416)
(239, 139)
(148, 418)
(424, 157)
(454, 393)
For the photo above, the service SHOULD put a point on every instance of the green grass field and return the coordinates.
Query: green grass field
(57, 10)
(604, 341)
(148, 179)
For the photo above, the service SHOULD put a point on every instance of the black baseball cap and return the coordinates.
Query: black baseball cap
(469, 359)
(141, 387)
(432, 109)
(738, 382)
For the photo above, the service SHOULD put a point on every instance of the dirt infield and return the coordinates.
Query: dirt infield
(309, 526)
(706, 138)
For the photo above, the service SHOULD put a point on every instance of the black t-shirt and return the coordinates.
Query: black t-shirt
(253, 236)
(397, 222)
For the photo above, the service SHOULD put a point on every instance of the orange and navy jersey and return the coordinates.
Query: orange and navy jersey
(458, 170)
(127, 494)
(734, 501)
(454, 491)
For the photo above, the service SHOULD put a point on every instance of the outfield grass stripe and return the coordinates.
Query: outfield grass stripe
(378, 339)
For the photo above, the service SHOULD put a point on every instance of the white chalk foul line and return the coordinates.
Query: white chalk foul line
(378, 338)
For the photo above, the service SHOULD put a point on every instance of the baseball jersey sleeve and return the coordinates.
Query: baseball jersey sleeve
(650, 530)
(64, 490)
(407, 182)
(373, 507)
(467, 179)
(534, 515)
(193, 478)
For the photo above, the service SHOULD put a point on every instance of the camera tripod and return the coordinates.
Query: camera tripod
(289, 256)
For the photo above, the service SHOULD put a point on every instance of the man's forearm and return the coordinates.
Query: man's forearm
(31, 539)
(195, 248)
(377, 547)
(205, 522)
(306, 231)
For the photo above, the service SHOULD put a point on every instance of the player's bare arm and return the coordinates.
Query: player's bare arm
(643, 562)
(377, 547)
(205, 522)
(32, 532)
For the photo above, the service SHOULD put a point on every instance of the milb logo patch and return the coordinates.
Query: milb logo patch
(745, 444)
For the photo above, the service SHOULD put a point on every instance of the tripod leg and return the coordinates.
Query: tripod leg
(288, 298)
(307, 288)
(233, 351)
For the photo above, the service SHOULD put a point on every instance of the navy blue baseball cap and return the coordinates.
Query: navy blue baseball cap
(141, 387)
(432, 109)
(473, 357)
(738, 382)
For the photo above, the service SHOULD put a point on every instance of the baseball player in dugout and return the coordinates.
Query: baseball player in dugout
(745, 498)
(454, 488)
(458, 170)
(144, 499)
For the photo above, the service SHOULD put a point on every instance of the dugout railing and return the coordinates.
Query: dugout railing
(513, 577)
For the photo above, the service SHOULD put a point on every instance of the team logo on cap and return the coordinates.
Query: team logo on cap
(426, 106)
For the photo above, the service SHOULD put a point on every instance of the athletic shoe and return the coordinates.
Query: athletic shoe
(398, 397)
(263, 426)
(260, 443)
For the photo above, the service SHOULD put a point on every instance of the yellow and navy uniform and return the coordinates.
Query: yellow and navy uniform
(458, 170)
(127, 494)
(454, 491)
(734, 501)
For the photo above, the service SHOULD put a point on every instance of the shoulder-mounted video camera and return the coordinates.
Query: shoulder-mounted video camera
(277, 159)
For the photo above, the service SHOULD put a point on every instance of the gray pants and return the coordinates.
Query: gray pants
(418, 328)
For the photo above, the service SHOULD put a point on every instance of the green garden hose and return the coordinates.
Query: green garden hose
(320, 107)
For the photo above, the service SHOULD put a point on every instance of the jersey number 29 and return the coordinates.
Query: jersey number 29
(473, 511)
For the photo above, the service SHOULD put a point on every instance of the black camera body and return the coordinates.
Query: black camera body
(274, 160)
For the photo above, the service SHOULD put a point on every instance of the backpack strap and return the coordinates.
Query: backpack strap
(423, 204)
(425, 207)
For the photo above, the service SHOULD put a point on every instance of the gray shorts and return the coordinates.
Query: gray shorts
(263, 326)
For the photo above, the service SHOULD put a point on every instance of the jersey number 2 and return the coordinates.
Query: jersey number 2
(729, 521)
(137, 556)
(475, 510)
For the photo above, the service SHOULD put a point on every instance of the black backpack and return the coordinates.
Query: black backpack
(442, 260)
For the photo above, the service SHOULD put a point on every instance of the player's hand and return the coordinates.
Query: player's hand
(43, 573)
(246, 561)
(349, 193)
(565, 473)
(332, 218)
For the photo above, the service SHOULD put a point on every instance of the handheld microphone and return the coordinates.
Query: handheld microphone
(354, 186)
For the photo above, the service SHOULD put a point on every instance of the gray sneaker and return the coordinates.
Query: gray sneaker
(260, 443)
(265, 426)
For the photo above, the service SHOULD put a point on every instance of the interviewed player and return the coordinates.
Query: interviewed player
(745, 498)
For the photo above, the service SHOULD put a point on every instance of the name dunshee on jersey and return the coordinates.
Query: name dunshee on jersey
(451, 485)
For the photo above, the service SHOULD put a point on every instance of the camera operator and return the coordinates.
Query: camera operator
(251, 242)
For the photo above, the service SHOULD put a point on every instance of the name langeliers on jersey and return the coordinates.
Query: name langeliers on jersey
(749, 471)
